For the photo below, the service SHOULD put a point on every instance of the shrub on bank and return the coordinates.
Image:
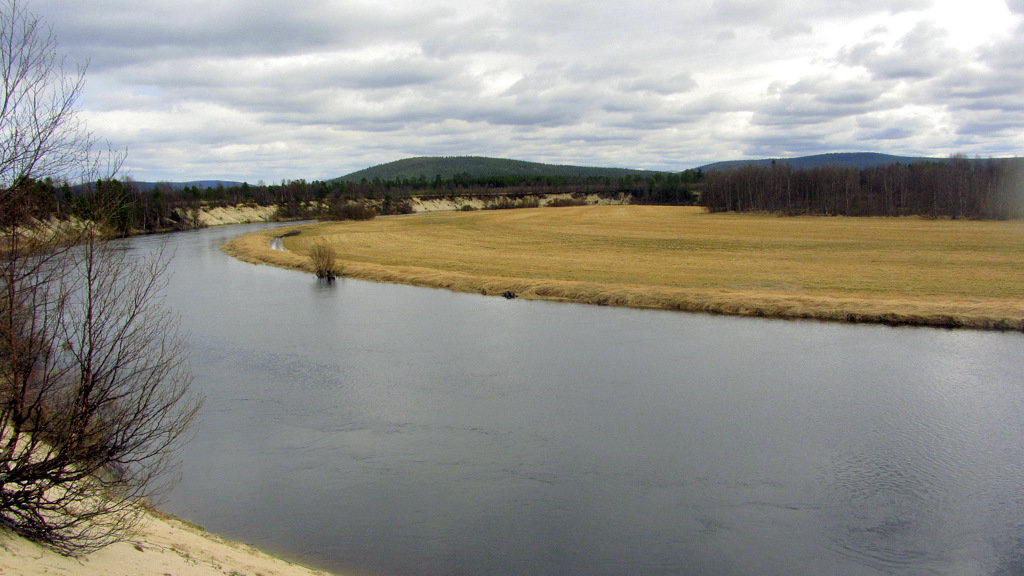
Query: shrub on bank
(322, 257)
(506, 203)
(353, 211)
(564, 202)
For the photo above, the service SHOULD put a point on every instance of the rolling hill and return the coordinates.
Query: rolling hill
(477, 167)
(858, 160)
(447, 167)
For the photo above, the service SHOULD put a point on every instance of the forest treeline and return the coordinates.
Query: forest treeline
(954, 188)
(132, 208)
(648, 188)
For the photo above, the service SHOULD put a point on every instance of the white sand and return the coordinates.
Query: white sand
(236, 215)
(447, 204)
(161, 547)
(243, 214)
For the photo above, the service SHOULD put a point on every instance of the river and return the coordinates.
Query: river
(389, 430)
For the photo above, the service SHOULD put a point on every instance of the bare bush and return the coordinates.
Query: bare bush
(94, 393)
(353, 211)
(564, 202)
(323, 258)
(508, 203)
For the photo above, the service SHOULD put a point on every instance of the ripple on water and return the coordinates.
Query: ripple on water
(888, 511)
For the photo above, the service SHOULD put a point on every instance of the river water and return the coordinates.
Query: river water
(390, 430)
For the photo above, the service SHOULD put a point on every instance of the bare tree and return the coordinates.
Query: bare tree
(40, 132)
(94, 394)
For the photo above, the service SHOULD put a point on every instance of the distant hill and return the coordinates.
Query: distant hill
(859, 160)
(479, 167)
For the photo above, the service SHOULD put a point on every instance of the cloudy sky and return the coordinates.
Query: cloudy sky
(270, 90)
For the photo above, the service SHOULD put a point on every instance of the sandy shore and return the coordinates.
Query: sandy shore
(161, 547)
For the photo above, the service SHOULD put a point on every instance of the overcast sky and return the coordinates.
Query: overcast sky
(270, 90)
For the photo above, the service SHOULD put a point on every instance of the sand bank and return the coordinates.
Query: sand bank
(162, 546)
(245, 214)
(240, 214)
(478, 203)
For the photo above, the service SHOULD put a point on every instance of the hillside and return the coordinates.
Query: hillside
(858, 160)
(478, 167)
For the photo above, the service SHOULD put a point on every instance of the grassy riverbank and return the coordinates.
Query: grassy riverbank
(890, 270)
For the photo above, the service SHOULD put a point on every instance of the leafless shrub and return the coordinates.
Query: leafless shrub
(323, 258)
(94, 393)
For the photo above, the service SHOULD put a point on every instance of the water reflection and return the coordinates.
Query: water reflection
(394, 430)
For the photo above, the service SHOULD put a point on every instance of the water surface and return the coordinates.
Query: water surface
(389, 430)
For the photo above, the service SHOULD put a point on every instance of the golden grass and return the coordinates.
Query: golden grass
(891, 270)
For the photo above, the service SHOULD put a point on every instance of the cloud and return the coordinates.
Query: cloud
(882, 127)
(791, 29)
(664, 85)
(821, 99)
(924, 52)
(260, 89)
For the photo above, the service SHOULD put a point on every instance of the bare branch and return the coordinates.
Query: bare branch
(94, 392)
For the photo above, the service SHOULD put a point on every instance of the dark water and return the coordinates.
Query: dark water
(388, 430)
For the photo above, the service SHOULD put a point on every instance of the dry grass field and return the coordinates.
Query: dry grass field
(890, 270)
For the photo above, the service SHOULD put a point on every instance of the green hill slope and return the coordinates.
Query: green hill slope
(479, 167)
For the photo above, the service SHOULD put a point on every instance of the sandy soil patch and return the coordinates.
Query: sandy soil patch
(591, 199)
(453, 204)
(445, 204)
(162, 546)
(236, 215)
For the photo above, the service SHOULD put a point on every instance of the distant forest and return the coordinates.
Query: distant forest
(164, 206)
(953, 188)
